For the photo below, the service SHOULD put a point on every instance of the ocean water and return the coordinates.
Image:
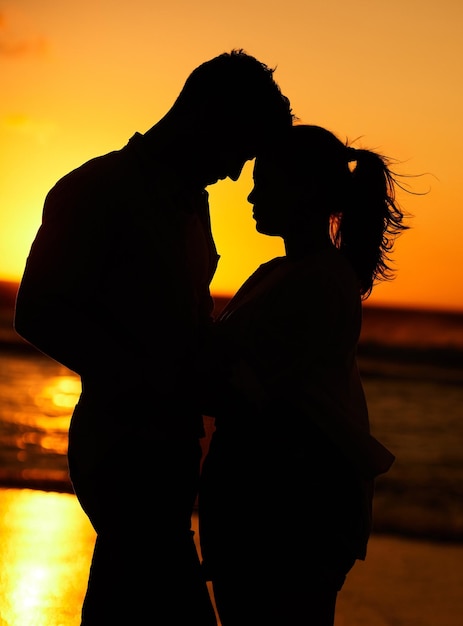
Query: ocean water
(412, 368)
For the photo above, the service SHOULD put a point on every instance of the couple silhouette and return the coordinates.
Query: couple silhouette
(117, 288)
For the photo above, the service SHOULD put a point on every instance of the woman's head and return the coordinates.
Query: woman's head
(309, 184)
(299, 178)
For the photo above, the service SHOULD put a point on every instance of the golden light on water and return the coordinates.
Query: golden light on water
(60, 392)
(43, 572)
(49, 415)
(39, 397)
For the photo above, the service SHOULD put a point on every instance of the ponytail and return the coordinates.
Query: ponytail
(370, 219)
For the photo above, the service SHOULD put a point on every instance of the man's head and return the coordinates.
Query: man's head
(232, 104)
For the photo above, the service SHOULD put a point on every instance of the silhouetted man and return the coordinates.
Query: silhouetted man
(116, 288)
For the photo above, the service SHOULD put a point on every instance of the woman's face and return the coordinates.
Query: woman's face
(273, 197)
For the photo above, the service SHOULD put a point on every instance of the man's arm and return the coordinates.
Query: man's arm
(56, 308)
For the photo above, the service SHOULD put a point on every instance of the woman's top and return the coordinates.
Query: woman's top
(289, 338)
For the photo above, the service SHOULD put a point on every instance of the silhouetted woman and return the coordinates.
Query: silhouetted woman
(286, 496)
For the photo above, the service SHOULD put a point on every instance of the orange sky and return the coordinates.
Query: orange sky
(79, 78)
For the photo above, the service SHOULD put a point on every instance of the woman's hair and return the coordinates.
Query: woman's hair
(356, 190)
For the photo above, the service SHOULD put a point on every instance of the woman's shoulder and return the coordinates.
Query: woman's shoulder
(322, 284)
(327, 266)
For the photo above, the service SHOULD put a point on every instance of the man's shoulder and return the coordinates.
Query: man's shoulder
(97, 171)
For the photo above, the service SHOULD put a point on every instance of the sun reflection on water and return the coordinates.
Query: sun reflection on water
(38, 397)
(46, 544)
(60, 393)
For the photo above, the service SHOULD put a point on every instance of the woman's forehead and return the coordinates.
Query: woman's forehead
(270, 165)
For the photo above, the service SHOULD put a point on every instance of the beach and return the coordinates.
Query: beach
(412, 366)
(47, 541)
(404, 583)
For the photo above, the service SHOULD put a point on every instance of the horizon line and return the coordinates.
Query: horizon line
(411, 307)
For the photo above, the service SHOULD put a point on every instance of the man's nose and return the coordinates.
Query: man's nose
(236, 169)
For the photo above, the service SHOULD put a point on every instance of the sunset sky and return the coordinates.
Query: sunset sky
(79, 78)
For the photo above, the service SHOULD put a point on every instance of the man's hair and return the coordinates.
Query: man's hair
(238, 89)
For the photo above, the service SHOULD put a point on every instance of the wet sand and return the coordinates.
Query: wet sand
(404, 583)
(46, 544)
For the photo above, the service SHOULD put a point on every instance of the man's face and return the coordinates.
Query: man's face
(227, 165)
(222, 155)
